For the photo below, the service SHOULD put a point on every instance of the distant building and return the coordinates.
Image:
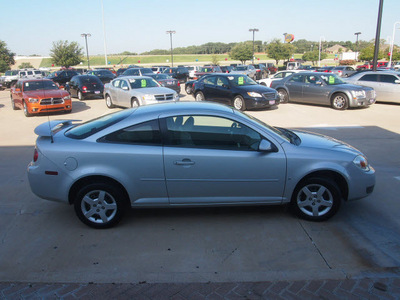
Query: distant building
(335, 49)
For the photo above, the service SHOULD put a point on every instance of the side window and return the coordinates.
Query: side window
(387, 78)
(147, 133)
(124, 84)
(210, 80)
(369, 77)
(205, 132)
(311, 79)
(280, 75)
(297, 78)
(116, 83)
(222, 81)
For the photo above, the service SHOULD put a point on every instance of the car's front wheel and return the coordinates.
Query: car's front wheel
(340, 101)
(100, 205)
(26, 110)
(283, 95)
(109, 101)
(80, 96)
(188, 89)
(316, 199)
(199, 96)
(13, 104)
(238, 103)
(135, 103)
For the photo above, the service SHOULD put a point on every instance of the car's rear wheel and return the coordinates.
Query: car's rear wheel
(135, 103)
(109, 101)
(80, 96)
(199, 96)
(26, 111)
(238, 103)
(283, 95)
(13, 104)
(100, 205)
(316, 199)
(188, 89)
(340, 101)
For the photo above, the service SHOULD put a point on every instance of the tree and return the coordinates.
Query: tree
(368, 53)
(66, 54)
(313, 56)
(214, 60)
(242, 52)
(6, 57)
(279, 51)
(25, 65)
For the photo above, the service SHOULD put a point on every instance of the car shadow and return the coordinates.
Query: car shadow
(2, 105)
(78, 106)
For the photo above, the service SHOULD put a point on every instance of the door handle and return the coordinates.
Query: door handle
(184, 162)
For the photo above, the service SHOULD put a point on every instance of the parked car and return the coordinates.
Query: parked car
(192, 154)
(239, 91)
(179, 73)
(192, 70)
(158, 69)
(323, 89)
(326, 69)
(247, 70)
(307, 68)
(10, 78)
(137, 72)
(292, 65)
(343, 71)
(226, 69)
(103, 74)
(2, 85)
(107, 68)
(167, 81)
(261, 71)
(30, 74)
(37, 96)
(207, 70)
(62, 77)
(368, 65)
(277, 76)
(85, 86)
(386, 84)
(396, 65)
(271, 68)
(132, 91)
(120, 71)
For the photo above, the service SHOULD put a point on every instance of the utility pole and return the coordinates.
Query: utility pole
(253, 30)
(86, 35)
(170, 32)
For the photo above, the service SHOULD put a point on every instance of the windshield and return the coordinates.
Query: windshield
(11, 73)
(162, 76)
(146, 70)
(205, 69)
(332, 79)
(241, 68)
(241, 80)
(143, 83)
(91, 127)
(40, 85)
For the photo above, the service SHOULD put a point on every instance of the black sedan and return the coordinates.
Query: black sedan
(167, 81)
(180, 73)
(83, 86)
(237, 90)
(103, 74)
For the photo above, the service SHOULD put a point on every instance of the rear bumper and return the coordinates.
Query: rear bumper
(260, 102)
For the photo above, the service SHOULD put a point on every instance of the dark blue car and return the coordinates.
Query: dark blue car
(239, 91)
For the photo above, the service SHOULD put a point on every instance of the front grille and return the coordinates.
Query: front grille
(164, 97)
(270, 96)
(370, 94)
(51, 101)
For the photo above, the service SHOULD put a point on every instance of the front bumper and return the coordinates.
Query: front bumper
(256, 102)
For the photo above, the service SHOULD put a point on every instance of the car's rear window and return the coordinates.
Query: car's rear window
(91, 127)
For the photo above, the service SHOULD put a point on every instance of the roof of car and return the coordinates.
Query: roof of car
(35, 79)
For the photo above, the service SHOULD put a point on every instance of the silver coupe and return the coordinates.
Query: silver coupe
(187, 154)
(132, 91)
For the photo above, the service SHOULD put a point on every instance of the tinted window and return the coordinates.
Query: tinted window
(331, 79)
(39, 85)
(211, 133)
(210, 80)
(147, 133)
(297, 78)
(369, 77)
(387, 78)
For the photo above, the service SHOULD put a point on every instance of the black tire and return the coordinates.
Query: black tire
(263, 83)
(339, 101)
(188, 89)
(134, 102)
(80, 96)
(316, 199)
(199, 96)
(13, 104)
(109, 101)
(100, 205)
(283, 95)
(26, 112)
(238, 103)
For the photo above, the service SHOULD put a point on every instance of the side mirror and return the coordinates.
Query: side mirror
(319, 83)
(397, 81)
(17, 90)
(267, 146)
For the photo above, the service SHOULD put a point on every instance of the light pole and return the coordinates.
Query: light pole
(392, 44)
(86, 35)
(357, 34)
(319, 50)
(104, 33)
(170, 32)
(253, 30)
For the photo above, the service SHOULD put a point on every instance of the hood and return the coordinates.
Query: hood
(47, 93)
(314, 140)
(258, 88)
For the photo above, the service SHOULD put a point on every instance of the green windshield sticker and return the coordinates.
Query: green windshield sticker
(241, 80)
(143, 82)
(331, 80)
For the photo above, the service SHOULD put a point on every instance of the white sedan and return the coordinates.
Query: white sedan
(133, 91)
(277, 76)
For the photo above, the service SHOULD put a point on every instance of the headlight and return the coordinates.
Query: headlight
(148, 97)
(254, 94)
(358, 94)
(33, 100)
(176, 97)
(67, 98)
(361, 162)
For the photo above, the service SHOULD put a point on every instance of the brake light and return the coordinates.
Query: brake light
(35, 155)
(84, 89)
(179, 84)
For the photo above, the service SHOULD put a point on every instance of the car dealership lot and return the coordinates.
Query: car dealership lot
(43, 241)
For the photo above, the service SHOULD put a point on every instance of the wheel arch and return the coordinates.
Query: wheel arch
(338, 178)
(73, 191)
(335, 92)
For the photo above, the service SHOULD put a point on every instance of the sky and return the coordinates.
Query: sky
(30, 27)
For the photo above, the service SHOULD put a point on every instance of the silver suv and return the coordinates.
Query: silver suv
(30, 74)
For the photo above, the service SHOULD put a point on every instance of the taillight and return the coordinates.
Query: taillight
(84, 88)
(35, 155)
(179, 84)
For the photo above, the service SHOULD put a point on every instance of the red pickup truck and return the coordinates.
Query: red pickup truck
(368, 65)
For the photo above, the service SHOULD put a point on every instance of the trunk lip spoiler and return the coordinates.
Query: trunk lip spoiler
(48, 129)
